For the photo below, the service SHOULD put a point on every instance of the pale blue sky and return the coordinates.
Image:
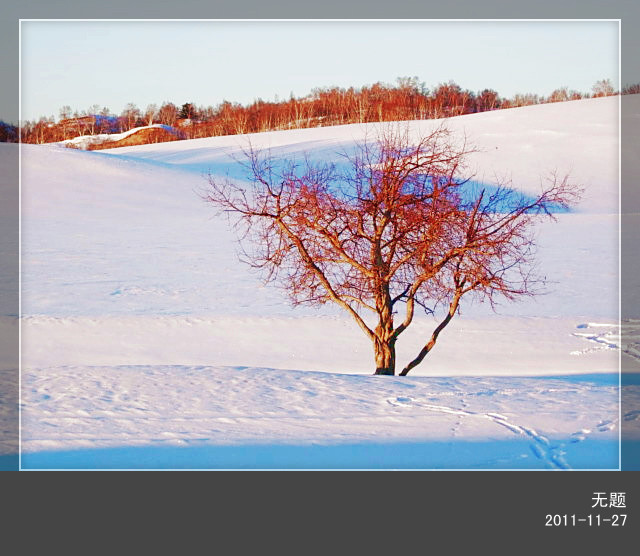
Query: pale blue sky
(111, 63)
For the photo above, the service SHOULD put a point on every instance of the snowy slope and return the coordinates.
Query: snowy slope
(131, 292)
(520, 144)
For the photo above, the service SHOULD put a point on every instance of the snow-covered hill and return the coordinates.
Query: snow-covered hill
(138, 319)
(100, 140)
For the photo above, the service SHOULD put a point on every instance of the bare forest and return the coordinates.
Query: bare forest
(408, 99)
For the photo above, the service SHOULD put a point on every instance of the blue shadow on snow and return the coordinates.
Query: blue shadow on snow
(491, 454)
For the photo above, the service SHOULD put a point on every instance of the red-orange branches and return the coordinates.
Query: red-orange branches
(393, 223)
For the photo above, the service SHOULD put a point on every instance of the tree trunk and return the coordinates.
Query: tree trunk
(434, 337)
(385, 357)
(384, 344)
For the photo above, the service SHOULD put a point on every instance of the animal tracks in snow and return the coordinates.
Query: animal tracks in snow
(580, 435)
(552, 454)
(605, 336)
(459, 422)
(601, 337)
(401, 401)
(136, 290)
(630, 343)
(632, 415)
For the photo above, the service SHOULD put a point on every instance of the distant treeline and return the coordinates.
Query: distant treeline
(408, 99)
(8, 133)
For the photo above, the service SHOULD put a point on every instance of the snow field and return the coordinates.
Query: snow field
(102, 408)
(145, 343)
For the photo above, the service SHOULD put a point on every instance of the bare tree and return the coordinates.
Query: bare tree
(130, 116)
(65, 112)
(396, 225)
(603, 88)
(559, 95)
(486, 100)
(150, 113)
(168, 113)
(631, 89)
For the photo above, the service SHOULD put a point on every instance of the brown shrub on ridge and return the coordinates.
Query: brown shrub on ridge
(142, 137)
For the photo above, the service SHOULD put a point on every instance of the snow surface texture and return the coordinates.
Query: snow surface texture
(145, 343)
(247, 417)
